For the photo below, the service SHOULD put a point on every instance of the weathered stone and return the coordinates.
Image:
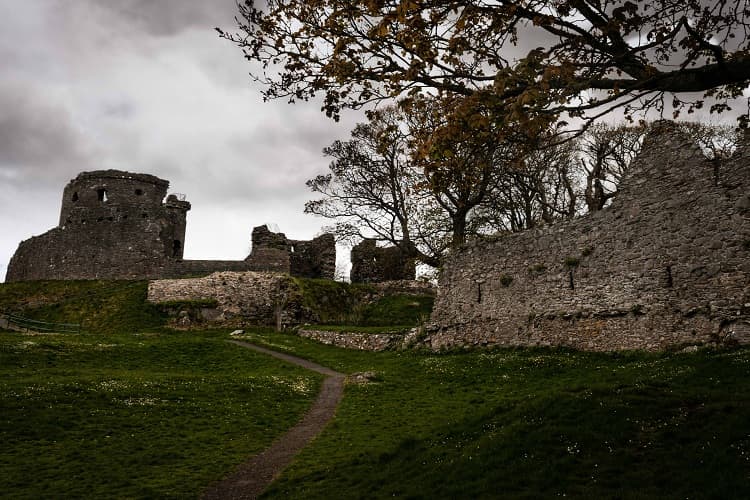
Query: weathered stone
(361, 378)
(243, 298)
(665, 265)
(113, 224)
(373, 264)
(355, 340)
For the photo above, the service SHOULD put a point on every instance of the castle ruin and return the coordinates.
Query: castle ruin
(666, 265)
(374, 264)
(118, 225)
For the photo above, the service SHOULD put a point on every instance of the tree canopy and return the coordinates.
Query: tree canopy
(383, 185)
(538, 61)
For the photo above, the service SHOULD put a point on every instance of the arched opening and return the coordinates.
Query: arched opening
(75, 197)
(139, 192)
(176, 248)
(101, 194)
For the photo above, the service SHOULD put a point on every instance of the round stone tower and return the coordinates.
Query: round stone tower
(111, 195)
(113, 224)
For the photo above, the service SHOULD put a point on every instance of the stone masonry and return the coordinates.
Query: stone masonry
(666, 265)
(374, 264)
(118, 225)
(113, 224)
(242, 298)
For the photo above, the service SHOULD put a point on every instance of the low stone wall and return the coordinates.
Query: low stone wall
(355, 340)
(242, 298)
(403, 287)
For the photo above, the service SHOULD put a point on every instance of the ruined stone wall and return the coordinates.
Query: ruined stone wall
(243, 298)
(667, 264)
(315, 258)
(373, 264)
(354, 340)
(308, 259)
(113, 224)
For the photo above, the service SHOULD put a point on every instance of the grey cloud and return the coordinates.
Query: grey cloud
(37, 135)
(168, 17)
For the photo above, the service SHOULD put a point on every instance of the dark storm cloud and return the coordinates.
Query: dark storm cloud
(38, 140)
(148, 86)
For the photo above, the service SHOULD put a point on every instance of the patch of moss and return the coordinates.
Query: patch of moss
(506, 280)
(537, 269)
(572, 261)
(410, 310)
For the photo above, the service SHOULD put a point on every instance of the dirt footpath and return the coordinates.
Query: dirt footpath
(254, 476)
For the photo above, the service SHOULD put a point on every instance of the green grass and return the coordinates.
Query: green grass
(333, 301)
(346, 304)
(151, 415)
(162, 414)
(529, 424)
(107, 306)
(408, 310)
(100, 306)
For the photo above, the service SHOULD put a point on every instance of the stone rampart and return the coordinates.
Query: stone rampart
(667, 264)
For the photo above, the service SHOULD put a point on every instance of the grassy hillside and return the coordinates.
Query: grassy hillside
(151, 415)
(530, 423)
(160, 414)
(101, 306)
(107, 306)
(339, 303)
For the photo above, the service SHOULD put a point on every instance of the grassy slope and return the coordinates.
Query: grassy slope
(341, 304)
(530, 424)
(107, 306)
(100, 306)
(136, 416)
(512, 423)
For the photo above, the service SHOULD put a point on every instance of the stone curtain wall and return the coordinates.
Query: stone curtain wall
(667, 264)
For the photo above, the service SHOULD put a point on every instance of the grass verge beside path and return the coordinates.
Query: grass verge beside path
(534, 423)
(151, 415)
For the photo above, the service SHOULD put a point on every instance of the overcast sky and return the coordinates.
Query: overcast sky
(148, 86)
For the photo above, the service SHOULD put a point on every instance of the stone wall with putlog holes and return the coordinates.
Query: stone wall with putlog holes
(666, 265)
(113, 224)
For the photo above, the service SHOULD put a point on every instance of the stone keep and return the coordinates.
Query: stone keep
(666, 265)
(113, 224)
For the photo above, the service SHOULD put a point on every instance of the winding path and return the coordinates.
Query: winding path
(254, 476)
